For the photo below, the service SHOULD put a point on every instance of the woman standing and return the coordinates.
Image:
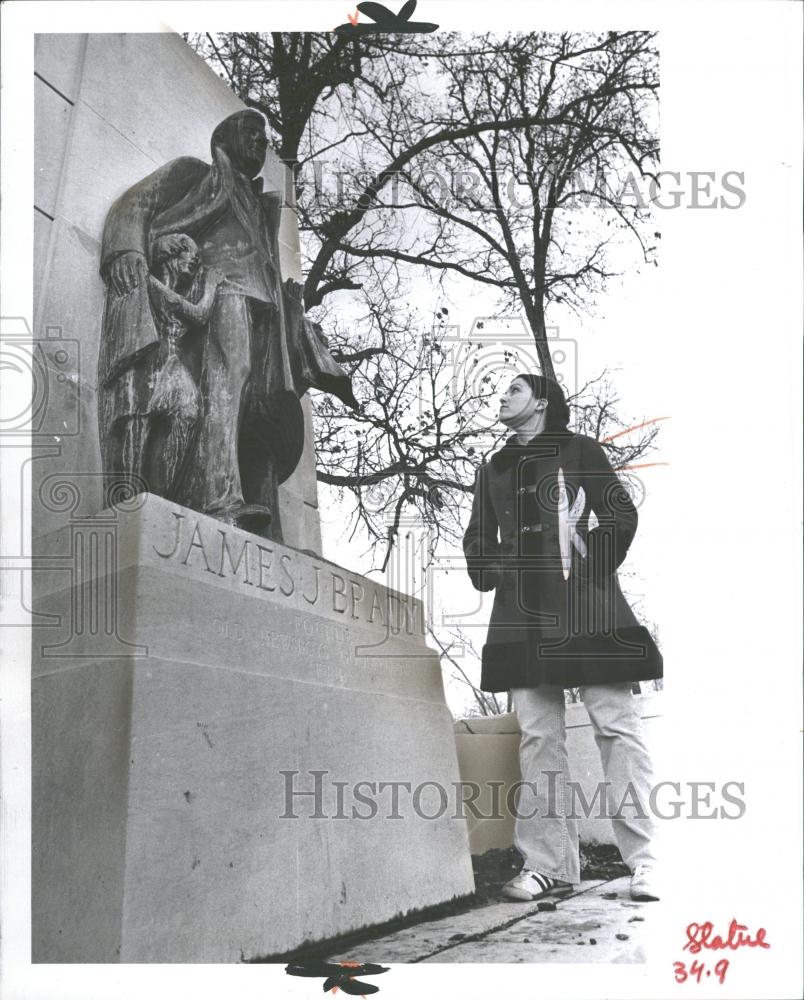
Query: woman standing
(560, 620)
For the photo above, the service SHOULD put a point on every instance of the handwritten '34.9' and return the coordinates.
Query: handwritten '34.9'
(702, 937)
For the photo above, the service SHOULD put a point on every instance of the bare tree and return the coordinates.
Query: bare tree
(525, 103)
(413, 448)
(533, 209)
(544, 108)
(486, 702)
(291, 78)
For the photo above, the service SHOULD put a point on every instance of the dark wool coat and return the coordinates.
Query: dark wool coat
(559, 616)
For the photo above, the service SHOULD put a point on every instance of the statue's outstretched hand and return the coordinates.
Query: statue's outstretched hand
(127, 271)
(213, 277)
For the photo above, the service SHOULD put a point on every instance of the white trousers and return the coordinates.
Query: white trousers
(546, 824)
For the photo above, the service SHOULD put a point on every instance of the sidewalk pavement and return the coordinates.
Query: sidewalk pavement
(599, 922)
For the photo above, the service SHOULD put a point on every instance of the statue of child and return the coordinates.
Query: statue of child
(151, 401)
(182, 295)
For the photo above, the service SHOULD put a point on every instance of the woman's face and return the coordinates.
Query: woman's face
(517, 403)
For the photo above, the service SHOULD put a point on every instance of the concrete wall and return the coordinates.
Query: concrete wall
(488, 751)
(109, 109)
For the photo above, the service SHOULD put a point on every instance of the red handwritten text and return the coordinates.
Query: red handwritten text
(701, 936)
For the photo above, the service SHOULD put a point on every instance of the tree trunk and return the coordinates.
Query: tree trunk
(539, 330)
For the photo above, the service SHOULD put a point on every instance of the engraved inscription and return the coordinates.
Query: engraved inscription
(192, 542)
(324, 645)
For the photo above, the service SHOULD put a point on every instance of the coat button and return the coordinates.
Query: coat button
(526, 528)
(522, 491)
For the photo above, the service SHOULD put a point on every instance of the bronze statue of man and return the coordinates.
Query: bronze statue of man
(255, 355)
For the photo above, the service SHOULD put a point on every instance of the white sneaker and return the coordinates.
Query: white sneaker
(529, 885)
(643, 884)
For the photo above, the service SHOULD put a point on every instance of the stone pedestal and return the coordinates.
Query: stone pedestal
(191, 680)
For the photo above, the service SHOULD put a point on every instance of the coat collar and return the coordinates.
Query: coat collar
(548, 444)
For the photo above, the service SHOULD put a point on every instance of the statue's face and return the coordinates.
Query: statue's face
(248, 148)
(188, 260)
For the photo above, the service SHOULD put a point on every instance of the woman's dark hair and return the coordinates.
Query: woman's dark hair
(558, 413)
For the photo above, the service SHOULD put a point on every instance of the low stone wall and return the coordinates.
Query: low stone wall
(488, 755)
